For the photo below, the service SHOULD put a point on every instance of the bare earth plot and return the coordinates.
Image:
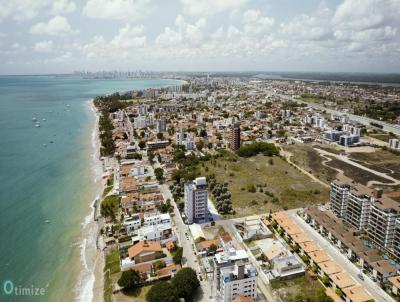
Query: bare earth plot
(258, 184)
(309, 159)
(303, 286)
(357, 174)
(382, 161)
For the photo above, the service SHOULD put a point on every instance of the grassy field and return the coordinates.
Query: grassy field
(277, 184)
(382, 161)
(112, 272)
(137, 295)
(302, 288)
(306, 157)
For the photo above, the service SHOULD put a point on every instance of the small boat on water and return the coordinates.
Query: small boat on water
(34, 119)
(44, 119)
(37, 124)
(47, 221)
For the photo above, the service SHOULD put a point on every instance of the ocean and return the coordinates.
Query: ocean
(47, 184)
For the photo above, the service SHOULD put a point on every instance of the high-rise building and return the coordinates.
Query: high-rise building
(161, 125)
(394, 144)
(358, 207)
(382, 221)
(238, 280)
(196, 200)
(143, 109)
(235, 137)
(339, 196)
(180, 136)
(396, 239)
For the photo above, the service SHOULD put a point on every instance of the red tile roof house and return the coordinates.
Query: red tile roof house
(144, 251)
(203, 247)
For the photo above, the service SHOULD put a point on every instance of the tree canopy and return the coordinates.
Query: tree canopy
(256, 148)
(162, 291)
(130, 279)
(185, 283)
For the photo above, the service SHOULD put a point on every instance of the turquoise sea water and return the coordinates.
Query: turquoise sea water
(45, 174)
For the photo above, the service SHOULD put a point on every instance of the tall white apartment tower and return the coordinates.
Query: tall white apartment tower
(358, 208)
(196, 200)
(239, 280)
(143, 109)
(339, 196)
(161, 125)
(180, 136)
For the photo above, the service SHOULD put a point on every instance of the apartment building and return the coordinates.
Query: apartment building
(196, 200)
(161, 125)
(382, 221)
(339, 197)
(367, 210)
(358, 207)
(156, 218)
(394, 144)
(396, 239)
(235, 137)
(239, 280)
(227, 258)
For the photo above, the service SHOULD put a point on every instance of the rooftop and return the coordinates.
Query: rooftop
(357, 294)
(343, 280)
(144, 246)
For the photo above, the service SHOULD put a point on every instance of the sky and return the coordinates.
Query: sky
(60, 36)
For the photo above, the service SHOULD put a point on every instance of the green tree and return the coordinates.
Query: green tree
(160, 135)
(159, 173)
(213, 248)
(185, 283)
(325, 280)
(142, 144)
(162, 291)
(109, 206)
(177, 257)
(130, 279)
(159, 264)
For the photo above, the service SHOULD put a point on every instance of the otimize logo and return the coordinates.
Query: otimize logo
(10, 289)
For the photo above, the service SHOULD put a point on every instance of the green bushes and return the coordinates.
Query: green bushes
(256, 148)
(109, 207)
(183, 285)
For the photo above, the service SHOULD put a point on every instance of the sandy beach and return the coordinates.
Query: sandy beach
(90, 284)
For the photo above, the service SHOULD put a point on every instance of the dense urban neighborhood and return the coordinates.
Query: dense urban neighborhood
(247, 189)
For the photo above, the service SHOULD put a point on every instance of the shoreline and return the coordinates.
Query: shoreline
(89, 286)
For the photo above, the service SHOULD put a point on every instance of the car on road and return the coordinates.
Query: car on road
(361, 276)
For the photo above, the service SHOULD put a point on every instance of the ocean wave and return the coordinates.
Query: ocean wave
(88, 249)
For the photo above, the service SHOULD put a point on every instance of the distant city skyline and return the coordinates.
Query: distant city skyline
(60, 36)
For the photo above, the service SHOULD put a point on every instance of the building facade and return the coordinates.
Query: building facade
(196, 200)
(239, 280)
(235, 137)
(339, 196)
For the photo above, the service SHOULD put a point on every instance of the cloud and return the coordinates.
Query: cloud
(127, 10)
(314, 27)
(129, 41)
(62, 7)
(43, 46)
(56, 26)
(185, 34)
(204, 8)
(129, 37)
(25, 10)
(367, 14)
(255, 23)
